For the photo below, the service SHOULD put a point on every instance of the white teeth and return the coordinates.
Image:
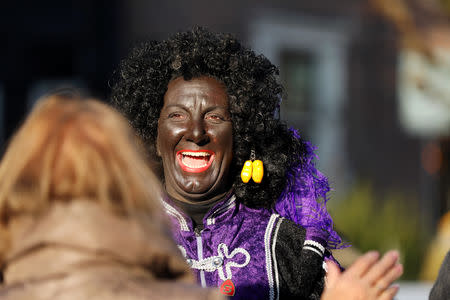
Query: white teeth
(201, 159)
(198, 154)
(194, 166)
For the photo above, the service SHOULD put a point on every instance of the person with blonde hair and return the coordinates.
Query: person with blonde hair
(80, 216)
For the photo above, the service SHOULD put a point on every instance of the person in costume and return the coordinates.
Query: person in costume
(247, 204)
(77, 203)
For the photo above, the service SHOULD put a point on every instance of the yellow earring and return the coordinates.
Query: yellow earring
(252, 169)
(246, 172)
(258, 171)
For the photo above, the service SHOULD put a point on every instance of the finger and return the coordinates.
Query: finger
(386, 280)
(389, 293)
(333, 273)
(362, 264)
(382, 267)
(394, 273)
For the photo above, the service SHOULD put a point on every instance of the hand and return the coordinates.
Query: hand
(368, 278)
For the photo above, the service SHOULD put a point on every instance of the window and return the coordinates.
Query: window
(312, 55)
(297, 74)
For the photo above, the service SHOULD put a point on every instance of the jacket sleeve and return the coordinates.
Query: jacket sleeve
(300, 270)
(441, 288)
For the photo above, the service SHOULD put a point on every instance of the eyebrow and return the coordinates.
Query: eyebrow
(209, 108)
(175, 105)
(217, 107)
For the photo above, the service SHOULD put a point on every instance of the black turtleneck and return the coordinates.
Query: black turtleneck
(196, 211)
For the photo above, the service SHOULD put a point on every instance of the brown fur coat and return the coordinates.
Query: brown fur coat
(80, 251)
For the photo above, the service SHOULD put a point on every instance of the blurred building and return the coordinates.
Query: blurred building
(339, 61)
(51, 43)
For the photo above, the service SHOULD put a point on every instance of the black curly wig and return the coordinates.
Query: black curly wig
(254, 95)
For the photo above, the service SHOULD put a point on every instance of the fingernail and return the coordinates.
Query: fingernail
(399, 269)
(372, 254)
(394, 253)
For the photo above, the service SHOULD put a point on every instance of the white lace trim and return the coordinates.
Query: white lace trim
(213, 263)
(229, 204)
(314, 246)
(222, 250)
(173, 212)
(275, 263)
(268, 253)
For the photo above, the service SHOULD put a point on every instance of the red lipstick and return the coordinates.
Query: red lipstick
(195, 161)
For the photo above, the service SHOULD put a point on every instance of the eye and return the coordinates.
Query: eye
(176, 116)
(215, 118)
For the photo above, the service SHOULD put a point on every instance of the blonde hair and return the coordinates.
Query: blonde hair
(70, 148)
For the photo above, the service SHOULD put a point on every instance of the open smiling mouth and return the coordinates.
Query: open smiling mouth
(195, 161)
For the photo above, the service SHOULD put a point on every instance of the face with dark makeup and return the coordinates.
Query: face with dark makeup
(195, 139)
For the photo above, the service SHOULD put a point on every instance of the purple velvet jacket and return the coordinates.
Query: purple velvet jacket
(236, 249)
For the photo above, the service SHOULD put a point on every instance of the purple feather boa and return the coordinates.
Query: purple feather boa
(304, 200)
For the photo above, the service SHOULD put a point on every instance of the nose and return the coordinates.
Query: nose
(196, 132)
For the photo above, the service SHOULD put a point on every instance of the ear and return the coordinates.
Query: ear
(158, 152)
